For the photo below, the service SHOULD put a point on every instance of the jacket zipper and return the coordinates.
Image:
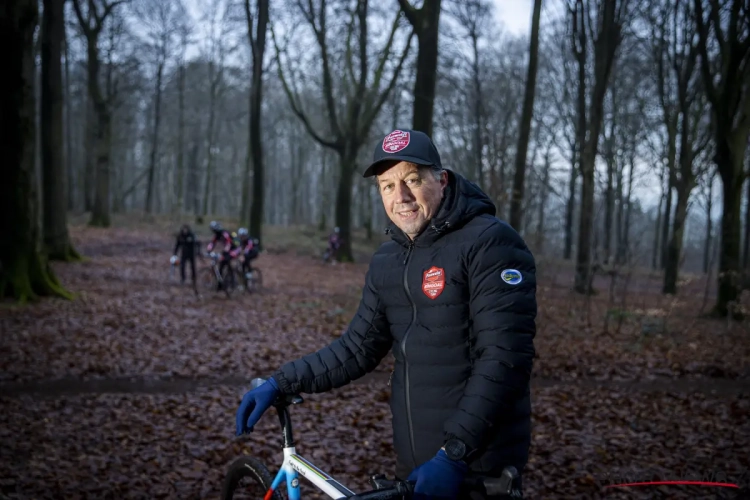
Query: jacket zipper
(403, 351)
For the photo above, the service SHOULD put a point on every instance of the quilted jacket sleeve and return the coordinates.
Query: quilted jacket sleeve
(357, 352)
(502, 284)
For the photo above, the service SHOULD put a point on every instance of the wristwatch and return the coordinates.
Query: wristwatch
(455, 449)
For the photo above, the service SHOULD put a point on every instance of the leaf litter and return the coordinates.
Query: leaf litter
(131, 321)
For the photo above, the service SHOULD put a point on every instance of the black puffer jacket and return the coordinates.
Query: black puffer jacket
(461, 326)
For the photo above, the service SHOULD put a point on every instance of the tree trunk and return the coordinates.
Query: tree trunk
(24, 271)
(193, 175)
(89, 175)
(624, 248)
(256, 134)
(347, 164)
(605, 49)
(542, 202)
(674, 247)
(425, 22)
(180, 205)
(609, 195)
(729, 257)
(210, 140)
(54, 206)
(570, 208)
(525, 126)
(154, 139)
(100, 212)
(477, 145)
(68, 127)
(102, 134)
(709, 226)
(667, 221)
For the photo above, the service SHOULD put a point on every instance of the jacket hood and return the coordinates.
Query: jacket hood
(462, 201)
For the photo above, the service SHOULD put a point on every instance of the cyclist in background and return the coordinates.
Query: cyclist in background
(221, 236)
(247, 250)
(186, 243)
(334, 244)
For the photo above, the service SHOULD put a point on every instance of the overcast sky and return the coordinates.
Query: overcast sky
(514, 14)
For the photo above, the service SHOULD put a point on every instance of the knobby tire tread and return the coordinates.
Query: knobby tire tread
(247, 467)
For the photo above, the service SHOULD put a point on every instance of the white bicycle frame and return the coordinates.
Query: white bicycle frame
(294, 466)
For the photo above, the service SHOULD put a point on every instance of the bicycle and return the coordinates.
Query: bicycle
(294, 465)
(252, 280)
(212, 278)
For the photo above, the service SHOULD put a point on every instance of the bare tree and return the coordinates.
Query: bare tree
(724, 49)
(473, 17)
(183, 33)
(426, 23)
(348, 123)
(160, 23)
(24, 271)
(92, 23)
(528, 108)
(257, 22)
(676, 54)
(54, 206)
(218, 46)
(606, 39)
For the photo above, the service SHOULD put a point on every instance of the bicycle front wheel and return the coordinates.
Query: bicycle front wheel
(247, 478)
(227, 281)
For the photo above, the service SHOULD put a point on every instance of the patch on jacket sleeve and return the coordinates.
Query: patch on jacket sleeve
(433, 282)
(511, 276)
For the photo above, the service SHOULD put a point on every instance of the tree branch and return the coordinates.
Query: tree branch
(412, 15)
(249, 17)
(370, 117)
(294, 101)
(320, 36)
(705, 61)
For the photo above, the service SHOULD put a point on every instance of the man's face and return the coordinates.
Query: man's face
(411, 196)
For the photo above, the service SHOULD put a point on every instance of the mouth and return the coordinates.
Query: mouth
(408, 214)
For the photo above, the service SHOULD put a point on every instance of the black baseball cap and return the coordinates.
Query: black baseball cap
(404, 145)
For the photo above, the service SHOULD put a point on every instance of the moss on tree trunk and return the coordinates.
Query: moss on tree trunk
(24, 270)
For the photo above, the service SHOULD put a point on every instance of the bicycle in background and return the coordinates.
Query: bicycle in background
(222, 280)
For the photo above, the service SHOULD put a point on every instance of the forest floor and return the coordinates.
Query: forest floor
(130, 390)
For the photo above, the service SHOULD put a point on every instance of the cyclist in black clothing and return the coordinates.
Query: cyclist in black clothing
(186, 243)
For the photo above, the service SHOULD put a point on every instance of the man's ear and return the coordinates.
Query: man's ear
(443, 181)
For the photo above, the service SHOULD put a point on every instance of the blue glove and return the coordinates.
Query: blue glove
(254, 404)
(439, 478)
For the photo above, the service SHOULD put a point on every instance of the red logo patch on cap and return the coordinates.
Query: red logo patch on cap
(396, 141)
(433, 282)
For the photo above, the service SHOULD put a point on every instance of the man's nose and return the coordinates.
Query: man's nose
(403, 193)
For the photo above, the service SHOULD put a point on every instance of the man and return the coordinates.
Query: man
(228, 245)
(454, 296)
(247, 248)
(186, 243)
(334, 244)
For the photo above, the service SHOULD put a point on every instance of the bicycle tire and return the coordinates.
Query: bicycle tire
(245, 467)
(227, 281)
(208, 279)
(255, 282)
